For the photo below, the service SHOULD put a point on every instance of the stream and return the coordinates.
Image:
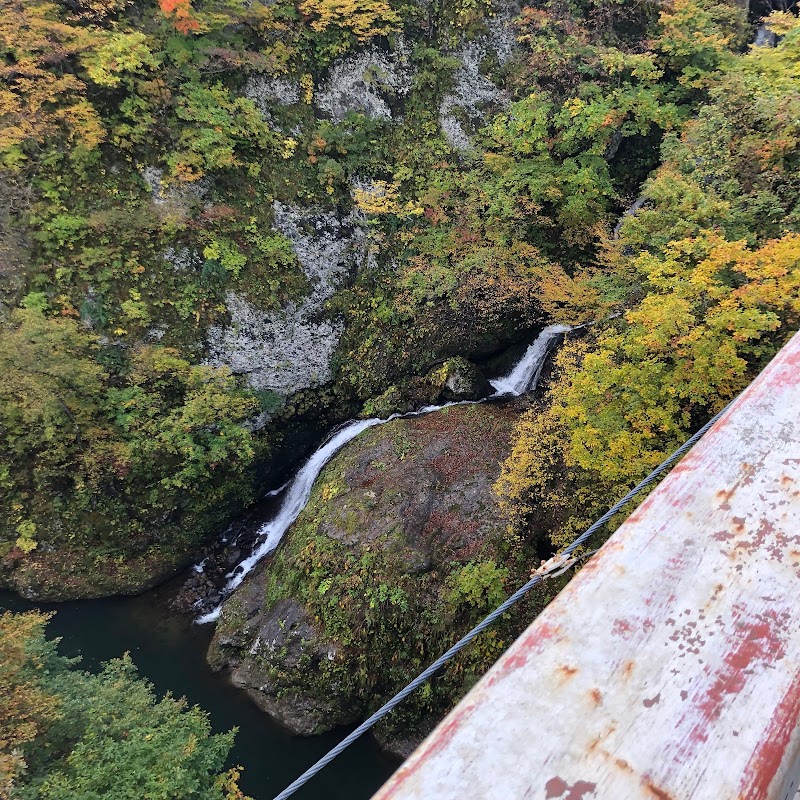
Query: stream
(170, 650)
(523, 377)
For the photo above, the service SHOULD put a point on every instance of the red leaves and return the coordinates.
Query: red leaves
(181, 13)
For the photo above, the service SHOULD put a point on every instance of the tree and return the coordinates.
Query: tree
(94, 459)
(712, 314)
(182, 15)
(27, 709)
(220, 132)
(364, 18)
(71, 735)
(51, 412)
(37, 102)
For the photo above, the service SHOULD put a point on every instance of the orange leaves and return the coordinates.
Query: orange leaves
(37, 101)
(182, 15)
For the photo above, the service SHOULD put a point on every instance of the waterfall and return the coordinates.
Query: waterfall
(523, 377)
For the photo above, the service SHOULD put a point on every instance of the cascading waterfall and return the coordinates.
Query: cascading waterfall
(523, 377)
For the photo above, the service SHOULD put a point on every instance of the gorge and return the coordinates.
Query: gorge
(305, 244)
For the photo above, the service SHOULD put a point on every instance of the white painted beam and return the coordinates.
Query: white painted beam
(669, 668)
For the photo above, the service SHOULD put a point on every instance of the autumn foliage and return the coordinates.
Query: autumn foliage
(181, 13)
(707, 291)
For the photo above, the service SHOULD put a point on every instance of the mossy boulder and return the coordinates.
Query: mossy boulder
(401, 548)
(459, 379)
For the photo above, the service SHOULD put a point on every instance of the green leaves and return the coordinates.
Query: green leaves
(90, 737)
(478, 586)
(159, 437)
(121, 57)
(223, 132)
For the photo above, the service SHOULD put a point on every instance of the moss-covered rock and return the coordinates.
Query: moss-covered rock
(401, 548)
(461, 380)
(79, 573)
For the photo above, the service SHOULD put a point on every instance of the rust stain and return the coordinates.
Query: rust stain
(559, 788)
(656, 791)
(627, 669)
(724, 497)
(597, 696)
(623, 765)
(566, 670)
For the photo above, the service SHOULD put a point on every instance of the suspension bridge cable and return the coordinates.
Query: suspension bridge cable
(555, 565)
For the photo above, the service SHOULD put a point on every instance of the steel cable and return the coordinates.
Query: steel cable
(498, 612)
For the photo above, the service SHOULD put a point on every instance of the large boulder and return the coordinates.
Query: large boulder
(401, 547)
(462, 380)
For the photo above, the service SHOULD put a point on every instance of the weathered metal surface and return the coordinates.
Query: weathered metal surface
(669, 668)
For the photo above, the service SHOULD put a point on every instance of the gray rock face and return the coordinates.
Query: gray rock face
(765, 37)
(464, 381)
(473, 91)
(288, 633)
(267, 92)
(290, 349)
(173, 199)
(364, 82)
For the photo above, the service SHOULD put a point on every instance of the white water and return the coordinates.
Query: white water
(526, 373)
(523, 377)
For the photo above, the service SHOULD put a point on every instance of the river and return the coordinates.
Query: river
(170, 652)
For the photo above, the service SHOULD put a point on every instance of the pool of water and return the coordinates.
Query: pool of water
(170, 652)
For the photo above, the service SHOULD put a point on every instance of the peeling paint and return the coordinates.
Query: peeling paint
(686, 620)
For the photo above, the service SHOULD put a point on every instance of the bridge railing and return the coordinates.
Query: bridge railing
(669, 667)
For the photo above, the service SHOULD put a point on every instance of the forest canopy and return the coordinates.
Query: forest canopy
(66, 734)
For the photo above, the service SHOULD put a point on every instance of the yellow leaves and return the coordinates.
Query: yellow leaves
(363, 18)
(569, 299)
(26, 540)
(329, 491)
(41, 98)
(26, 708)
(119, 54)
(382, 198)
(640, 65)
(782, 22)
(307, 87)
(707, 319)
(102, 8)
(227, 782)
(288, 147)
(574, 106)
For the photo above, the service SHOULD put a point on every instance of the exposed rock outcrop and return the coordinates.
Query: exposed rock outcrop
(463, 107)
(290, 349)
(366, 83)
(401, 546)
(462, 380)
